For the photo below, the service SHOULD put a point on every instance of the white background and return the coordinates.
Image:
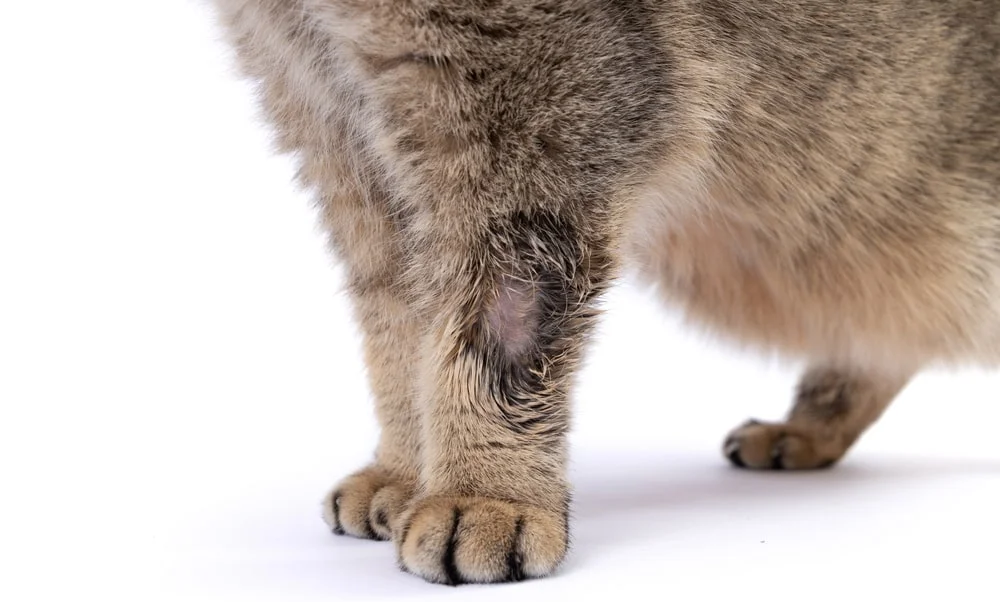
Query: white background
(180, 380)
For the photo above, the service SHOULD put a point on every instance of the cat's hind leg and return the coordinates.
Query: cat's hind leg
(832, 408)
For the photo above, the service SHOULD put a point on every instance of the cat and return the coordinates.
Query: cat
(818, 178)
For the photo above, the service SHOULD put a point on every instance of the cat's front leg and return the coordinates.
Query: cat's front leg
(512, 305)
(511, 137)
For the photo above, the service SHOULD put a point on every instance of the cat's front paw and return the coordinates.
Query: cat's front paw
(367, 504)
(454, 540)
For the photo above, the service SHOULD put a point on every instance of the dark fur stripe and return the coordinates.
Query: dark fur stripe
(337, 527)
(405, 532)
(515, 558)
(382, 519)
(369, 531)
(777, 457)
(734, 456)
(448, 562)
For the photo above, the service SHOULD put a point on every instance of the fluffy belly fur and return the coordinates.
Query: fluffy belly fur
(848, 303)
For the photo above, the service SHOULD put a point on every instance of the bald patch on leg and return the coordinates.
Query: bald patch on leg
(512, 317)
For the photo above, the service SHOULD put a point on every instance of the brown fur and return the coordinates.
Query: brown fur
(816, 177)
